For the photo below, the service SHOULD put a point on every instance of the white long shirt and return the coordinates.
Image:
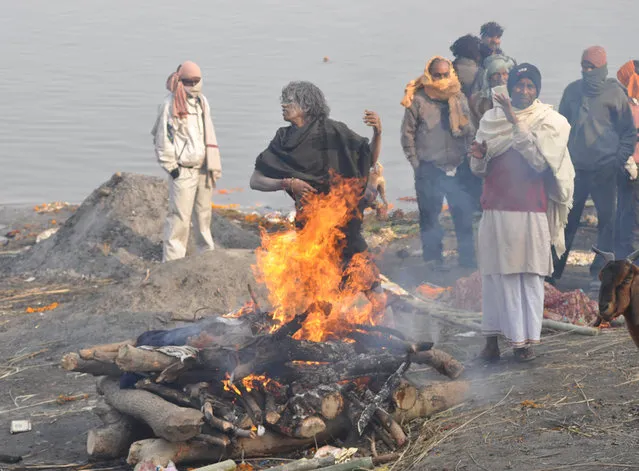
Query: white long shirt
(180, 142)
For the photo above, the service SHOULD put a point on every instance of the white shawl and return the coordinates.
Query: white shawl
(550, 132)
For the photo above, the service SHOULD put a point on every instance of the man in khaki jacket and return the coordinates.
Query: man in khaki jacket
(186, 147)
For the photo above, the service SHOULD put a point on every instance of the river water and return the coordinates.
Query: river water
(81, 80)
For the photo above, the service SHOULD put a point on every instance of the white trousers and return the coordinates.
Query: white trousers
(189, 198)
(513, 306)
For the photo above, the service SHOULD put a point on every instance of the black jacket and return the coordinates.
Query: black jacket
(602, 128)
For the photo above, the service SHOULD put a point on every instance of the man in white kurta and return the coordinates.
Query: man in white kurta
(521, 152)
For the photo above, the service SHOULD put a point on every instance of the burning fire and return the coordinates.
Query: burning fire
(246, 309)
(309, 363)
(228, 386)
(251, 381)
(304, 269)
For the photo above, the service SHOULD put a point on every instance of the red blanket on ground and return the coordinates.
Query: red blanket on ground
(574, 306)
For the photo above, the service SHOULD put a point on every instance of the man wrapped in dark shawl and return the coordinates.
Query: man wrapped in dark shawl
(309, 154)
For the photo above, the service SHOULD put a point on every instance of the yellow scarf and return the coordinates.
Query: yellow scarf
(448, 89)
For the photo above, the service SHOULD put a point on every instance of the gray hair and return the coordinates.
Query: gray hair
(308, 96)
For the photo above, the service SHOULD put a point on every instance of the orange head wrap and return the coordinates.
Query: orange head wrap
(448, 89)
(629, 78)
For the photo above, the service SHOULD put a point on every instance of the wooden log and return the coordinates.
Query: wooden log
(389, 386)
(215, 422)
(252, 408)
(245, 422)
(354, 412)
(172, 395)
(566, 327)
(324, 399)
(272, 410)
(73, 362)
(108, 350)
(412, 402)
(159, 452)
(305, 464)
(214, 439)
(298, 427)
(387, 421)
(142, 361)
(441, 361)
(171, 373)
(228, 465)
(114, 438)
(110, 441)
(376, 340)
(167, 420)
(355, 367)
(356, 463)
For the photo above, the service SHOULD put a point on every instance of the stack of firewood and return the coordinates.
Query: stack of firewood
(256, 393)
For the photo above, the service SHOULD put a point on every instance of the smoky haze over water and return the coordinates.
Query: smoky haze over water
(81, 81)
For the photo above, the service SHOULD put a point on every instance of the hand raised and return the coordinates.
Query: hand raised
(507, 106)
(478, 150)
(373, 120)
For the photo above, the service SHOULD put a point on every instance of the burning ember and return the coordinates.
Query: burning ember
(246, 309)
(228, 386)
(252, 381)
(304, 270)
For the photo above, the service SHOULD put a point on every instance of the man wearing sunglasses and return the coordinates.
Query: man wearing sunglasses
(186, 147)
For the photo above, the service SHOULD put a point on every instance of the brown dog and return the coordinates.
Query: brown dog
(377, 187)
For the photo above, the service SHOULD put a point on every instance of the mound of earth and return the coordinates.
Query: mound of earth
(214, 282)
(117, 231)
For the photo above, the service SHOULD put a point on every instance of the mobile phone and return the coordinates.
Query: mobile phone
(498, 90)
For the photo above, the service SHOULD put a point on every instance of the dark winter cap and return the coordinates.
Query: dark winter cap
(521, 71)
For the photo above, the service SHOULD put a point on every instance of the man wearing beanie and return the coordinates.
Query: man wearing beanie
(521, 151)
(602, 141)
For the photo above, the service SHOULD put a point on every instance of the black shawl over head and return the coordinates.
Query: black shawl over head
(310, 154)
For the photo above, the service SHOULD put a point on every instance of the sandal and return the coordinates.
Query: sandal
(523, 355)
(490, 355)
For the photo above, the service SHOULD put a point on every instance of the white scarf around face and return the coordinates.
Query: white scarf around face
(550, 131)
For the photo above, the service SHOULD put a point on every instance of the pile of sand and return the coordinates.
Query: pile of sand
(211, 283)
(117, 232)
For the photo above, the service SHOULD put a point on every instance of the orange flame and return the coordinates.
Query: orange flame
(309, 363)
(248, 308)
(251, 382)
(228, 386)
(304, 269)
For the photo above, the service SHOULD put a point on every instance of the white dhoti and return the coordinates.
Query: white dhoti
(514, 256)
(189, 198)
(513, 306)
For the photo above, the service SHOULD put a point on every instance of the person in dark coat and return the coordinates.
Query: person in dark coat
(602, 140)
(303, 157)
(627, 227)
(468, 58)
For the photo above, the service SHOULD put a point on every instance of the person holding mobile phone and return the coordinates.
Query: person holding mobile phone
(521, 151)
